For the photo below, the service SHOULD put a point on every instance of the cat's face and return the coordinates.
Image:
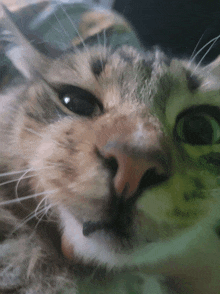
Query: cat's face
(125, 146)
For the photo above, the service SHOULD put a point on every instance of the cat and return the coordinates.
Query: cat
(109, 164)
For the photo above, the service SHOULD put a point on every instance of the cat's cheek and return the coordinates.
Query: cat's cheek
(75, 245)
(44, 151)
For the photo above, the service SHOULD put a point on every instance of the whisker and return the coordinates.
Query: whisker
(19, 180)
(72, 23)
(34, 132)
(62, 27)
(203, 57)
(35, 214)
(196, 47)
(13, 173)
(18, 200)
(26, 220)
(45, 210)
(213, 40)
(59, 43)
(39, 204)
(19, 172)
(15, 180)
(39, 135)
(56, 29)
(47, 205)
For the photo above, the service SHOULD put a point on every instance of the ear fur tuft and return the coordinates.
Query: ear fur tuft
(23, 55)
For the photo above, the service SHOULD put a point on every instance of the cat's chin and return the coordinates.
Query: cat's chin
(100, 247)
(168, 256)
(96, 248)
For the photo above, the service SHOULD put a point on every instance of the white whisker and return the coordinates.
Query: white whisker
(44, 211)
(213, 40)
(59, 43)
(15, 180)
(196, 47)
(26, 220)
(48, 207)
(34, 214)
(56, 29)
(204, 56)
(62, 27)
(39, 204)
(19, 172)
(39, 135)
(72, 23)
(18, 200)
(13, 173)
(23, 177)
(19, 180)
(34, 132)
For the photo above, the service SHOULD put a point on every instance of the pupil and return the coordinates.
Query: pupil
(197, 131)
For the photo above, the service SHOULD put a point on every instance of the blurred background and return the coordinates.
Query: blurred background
(178, 27)
(16, 4)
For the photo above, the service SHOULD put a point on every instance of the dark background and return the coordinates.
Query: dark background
(175, 25)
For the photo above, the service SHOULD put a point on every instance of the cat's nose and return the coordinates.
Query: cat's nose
(136, 170)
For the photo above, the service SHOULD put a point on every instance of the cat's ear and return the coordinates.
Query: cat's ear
(214, 67)
(22, 54)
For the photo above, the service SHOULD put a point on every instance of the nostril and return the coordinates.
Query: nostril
(137, 170)
(112, 165)
(151, 178)
(109, 161)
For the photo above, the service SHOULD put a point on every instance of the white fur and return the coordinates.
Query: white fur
(153, 258)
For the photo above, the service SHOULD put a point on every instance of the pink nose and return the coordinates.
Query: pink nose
(131, 168)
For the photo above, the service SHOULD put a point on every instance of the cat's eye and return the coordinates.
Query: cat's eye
(198, 128)
(79, 101)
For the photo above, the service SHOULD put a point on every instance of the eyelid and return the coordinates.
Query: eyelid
(211, 110)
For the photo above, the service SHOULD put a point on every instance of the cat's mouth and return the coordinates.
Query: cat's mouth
(122, 208)
(94, 242)
(125, 226)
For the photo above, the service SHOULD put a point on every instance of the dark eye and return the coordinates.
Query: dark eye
(198, 128)
(79, 101)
